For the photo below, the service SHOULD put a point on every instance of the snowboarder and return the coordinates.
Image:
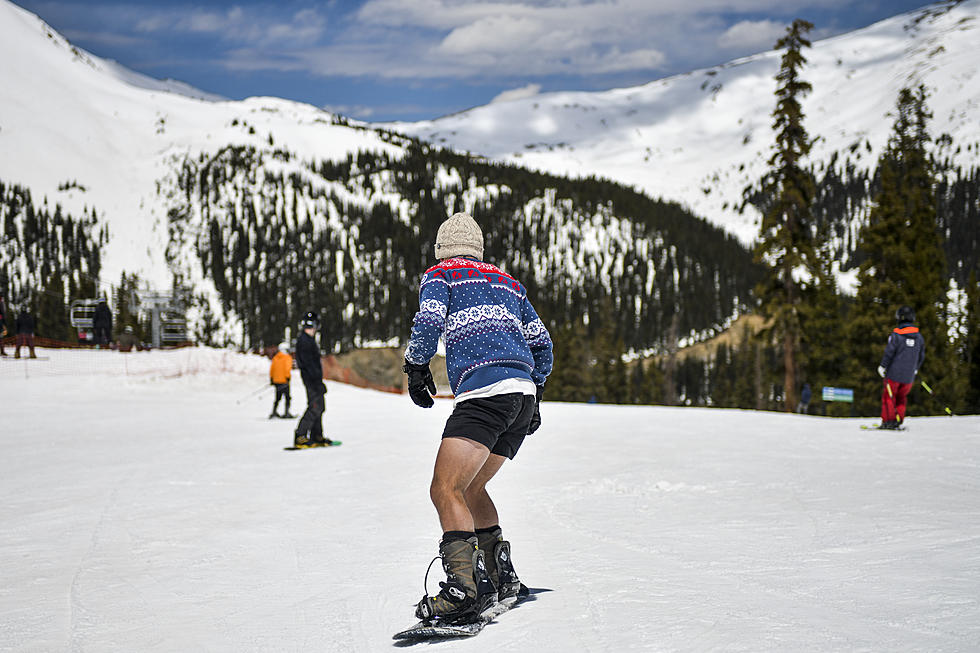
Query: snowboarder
(280, 373)
(102, 323)
(128, 340)
(900, 363)
(25, 332)
(498, 355)
(309, 431)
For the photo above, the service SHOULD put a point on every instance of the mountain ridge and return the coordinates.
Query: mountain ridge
(700, 138)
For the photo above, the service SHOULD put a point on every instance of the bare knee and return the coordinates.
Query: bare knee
(441, 492)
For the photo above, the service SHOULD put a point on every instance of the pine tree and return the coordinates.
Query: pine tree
(904, 263)
(785, 239)
(52, 311)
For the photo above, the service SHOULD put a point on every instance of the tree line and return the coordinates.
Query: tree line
(351, 239)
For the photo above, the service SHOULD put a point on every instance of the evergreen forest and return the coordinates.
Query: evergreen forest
(276, 237)
(47, 258)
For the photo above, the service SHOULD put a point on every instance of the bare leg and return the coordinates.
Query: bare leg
(481, 506)
(457, 464)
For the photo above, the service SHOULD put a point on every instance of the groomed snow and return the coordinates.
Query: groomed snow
(144, 508)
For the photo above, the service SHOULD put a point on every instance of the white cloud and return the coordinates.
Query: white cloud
(492, 41)
(518, 93)
(255, 26)
(752, 35)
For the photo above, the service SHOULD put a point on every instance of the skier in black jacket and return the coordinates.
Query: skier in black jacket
(309, 431)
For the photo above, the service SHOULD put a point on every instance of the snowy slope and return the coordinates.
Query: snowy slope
(66, 115)
(687, 137)
(151, 512)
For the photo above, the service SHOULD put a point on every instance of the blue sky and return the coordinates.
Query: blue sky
(382, 60)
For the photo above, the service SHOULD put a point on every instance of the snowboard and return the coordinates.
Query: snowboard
(423, 631)
(875, 427)
(335, 443)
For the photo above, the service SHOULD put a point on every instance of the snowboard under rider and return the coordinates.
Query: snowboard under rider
(309, 431)
(904, 353)
(498, 356)
(280, 372)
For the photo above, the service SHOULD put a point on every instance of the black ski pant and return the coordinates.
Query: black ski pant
(282, 390)
(311, 423)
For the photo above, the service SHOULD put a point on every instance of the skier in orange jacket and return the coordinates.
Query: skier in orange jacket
(279, 374)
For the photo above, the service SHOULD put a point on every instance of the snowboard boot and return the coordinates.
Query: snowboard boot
(301, 441)
(499, 565)
(467, 591)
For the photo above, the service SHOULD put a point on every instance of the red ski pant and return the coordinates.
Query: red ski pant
(893, 396)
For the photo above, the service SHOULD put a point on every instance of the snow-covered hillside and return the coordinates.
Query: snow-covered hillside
(144, 509)
(68, 116)
(702, 137)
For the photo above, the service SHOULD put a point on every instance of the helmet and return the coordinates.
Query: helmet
(310, 321)
(905, 314)
(284, 347)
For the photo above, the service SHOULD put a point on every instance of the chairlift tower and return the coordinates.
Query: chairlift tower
(156, 304)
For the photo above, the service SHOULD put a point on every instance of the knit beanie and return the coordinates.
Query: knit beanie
(460, 235)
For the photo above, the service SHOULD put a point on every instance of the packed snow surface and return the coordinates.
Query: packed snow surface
(147, 505)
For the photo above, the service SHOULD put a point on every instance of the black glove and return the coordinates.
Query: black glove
(536, 417)
(420, 384)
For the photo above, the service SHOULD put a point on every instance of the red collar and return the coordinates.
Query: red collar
(902, 331)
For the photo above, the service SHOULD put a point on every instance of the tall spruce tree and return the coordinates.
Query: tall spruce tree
(785, 243)
(904, 263)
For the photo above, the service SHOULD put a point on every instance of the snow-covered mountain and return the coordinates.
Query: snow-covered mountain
(68, 116)
(184, 183)
(264, 206)
(702, 137)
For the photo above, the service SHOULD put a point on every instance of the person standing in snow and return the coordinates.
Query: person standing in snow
(309, 431)
(102, 323)
(904, 353)
(805, 395)
(25, 332)
(279, 375)
(498, 355)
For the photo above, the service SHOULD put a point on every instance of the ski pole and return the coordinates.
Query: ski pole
(929, 390)
(257, 391)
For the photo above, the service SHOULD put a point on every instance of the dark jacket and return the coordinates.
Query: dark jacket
(308, 361)
(25, 323)
(102, 317)
(904, 353)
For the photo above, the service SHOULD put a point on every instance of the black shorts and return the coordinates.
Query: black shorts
(499, 423)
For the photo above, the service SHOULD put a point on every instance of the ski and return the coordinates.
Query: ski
(334, 443)
(422, 630)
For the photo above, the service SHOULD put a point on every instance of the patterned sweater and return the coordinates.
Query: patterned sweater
(491, 331)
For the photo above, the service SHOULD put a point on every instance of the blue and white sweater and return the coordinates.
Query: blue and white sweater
(491, 331)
